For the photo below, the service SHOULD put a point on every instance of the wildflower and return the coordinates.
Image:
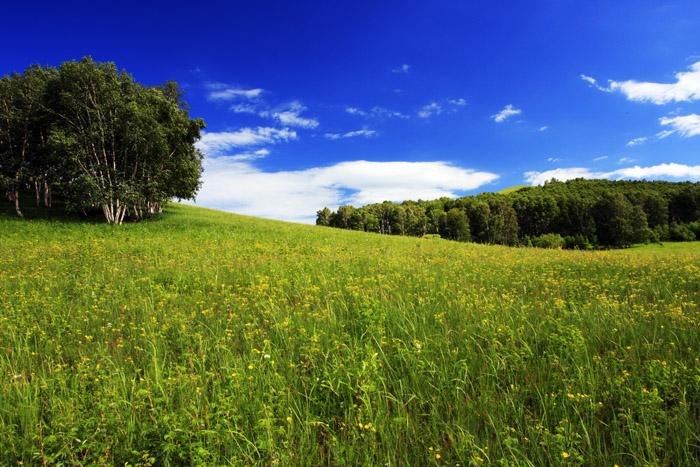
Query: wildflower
(564, 455)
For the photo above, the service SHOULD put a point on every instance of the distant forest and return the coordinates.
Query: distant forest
(96, 138)
(581, 214)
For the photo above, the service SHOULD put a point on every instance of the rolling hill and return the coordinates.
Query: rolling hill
(207, 338)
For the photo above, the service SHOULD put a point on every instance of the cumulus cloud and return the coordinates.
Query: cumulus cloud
(290, 115)
(458, 102)
(661, 171)
(508, 111)
(543, 128)
(553, 159)
(234, 185)
(351, 134)
(214, 144)
(685, 89)
(402, 69)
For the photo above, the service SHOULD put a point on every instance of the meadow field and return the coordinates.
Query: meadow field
(206, 338)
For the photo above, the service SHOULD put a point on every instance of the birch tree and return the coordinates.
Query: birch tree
(22, 130)
(130, 147)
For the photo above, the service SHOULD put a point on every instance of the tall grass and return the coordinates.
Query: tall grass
(204, 338)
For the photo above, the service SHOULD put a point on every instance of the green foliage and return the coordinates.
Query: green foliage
(23, 131)
(586, 213)
(324, 217)
(549, 241)
(99, 138)
(457, 225)
(681, 232)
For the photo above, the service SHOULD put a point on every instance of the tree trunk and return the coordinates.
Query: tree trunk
(15, 195)
(47, 195)
(107, 211)
(36, 190)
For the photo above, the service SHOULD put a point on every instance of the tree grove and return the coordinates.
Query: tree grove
(105, 140)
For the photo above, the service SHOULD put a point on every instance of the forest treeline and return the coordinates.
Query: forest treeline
(579, 213)
(100, 140)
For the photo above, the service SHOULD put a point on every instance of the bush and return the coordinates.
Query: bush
(695, 228)
(681, 233)
(662, 232)
(549, 240)
(577, 242)
(653, 236)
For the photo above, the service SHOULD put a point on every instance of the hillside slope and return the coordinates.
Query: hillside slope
(202, 337)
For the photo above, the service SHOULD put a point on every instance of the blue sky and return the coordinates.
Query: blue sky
(313, 104)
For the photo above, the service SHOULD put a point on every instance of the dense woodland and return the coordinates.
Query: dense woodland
(96, 138)
(579, 213)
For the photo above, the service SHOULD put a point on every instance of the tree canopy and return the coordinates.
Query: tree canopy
(102, 139)
(575, 214)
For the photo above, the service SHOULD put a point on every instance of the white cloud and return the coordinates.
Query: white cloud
(292, 119)
(403, 69)
(459, 102)
(538, 178)
(685, 89)
(673, 170)
(589, 79)
(600, 158)
(542, 128)
(244, 108)
(553, 159)
(250, 156)
(686, 126)
(429, 110)
(290, 116)
(214, 144)
(507, 111)
(350, 134)
(379, 113)
(232, 93)
(237, 186)
(637, 141)
(355, 111)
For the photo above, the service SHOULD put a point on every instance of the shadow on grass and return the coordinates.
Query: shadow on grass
(58, 211)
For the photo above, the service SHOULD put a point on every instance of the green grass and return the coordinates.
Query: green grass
(205, 338)
(512, 189)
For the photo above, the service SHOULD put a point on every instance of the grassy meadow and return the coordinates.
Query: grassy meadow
(206, 338)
